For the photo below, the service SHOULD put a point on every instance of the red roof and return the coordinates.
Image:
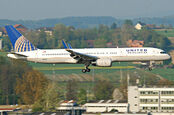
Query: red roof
(71, 101)
(135, 43)
(20, 27)
(7, 108)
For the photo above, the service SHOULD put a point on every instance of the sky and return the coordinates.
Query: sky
(120, 9)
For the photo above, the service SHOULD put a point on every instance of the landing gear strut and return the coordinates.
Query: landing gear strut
(86, 70)
(151, 65)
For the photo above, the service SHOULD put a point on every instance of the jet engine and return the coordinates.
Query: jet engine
(102, 63)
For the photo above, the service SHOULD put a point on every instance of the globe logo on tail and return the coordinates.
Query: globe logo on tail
(22, 45)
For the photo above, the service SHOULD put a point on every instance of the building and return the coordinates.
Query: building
(71, 107)
(47, 30)
(135, 43)
(118, 114)
(20, 27)
(110, 45)
(151, 99)
(4, 111)
(139, 25)
(106, 106)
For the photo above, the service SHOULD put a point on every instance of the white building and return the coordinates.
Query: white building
(71, 107)
(151, 99)
(106, 106)
(139, 25)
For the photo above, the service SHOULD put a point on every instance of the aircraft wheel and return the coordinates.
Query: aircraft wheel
(88, 70)
(150, 69)
(84, 70)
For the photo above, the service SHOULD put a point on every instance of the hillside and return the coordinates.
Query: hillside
(77, 22)
(86, 22)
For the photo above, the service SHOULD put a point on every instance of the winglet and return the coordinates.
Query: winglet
(69, 46)
(64, 44)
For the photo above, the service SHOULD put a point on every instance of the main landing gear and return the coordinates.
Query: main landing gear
(86, 70)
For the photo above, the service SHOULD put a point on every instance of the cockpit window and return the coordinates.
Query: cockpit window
(163, 52)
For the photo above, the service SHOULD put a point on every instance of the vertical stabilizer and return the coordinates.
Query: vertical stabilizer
(19, 42)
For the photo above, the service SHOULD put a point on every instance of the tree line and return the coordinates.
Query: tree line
(117, 36)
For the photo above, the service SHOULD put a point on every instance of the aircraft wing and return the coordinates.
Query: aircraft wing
(80, 56)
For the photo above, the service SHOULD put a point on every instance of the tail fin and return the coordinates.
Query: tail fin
(19, 42)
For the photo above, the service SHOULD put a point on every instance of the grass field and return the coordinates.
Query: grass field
(64, 72)
(166, 73)
(166, 32)
(76, 68)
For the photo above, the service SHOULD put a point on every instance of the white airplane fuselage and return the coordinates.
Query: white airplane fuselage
(102, 57)
(114, 54)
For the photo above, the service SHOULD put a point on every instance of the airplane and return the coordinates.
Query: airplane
(101, 57)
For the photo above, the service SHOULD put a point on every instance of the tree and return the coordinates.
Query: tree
(42, 40)
(114, 26)
(82, 96)
(127, 26)
(31, 86)
(164, 82)
(128, 22)
(51, 96)
(10, 70)
(164, 42)
(99, 43)
(123, 88)
(102, 28)
(71, 88)
(49, 100)
(6, 44)
(103, 91)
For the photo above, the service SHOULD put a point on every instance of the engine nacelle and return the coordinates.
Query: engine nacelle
(103, 63)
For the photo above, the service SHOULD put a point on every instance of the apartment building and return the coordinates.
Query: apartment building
(150, 99)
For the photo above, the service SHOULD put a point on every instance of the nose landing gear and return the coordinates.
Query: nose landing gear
(151, 65)
(150, 68)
